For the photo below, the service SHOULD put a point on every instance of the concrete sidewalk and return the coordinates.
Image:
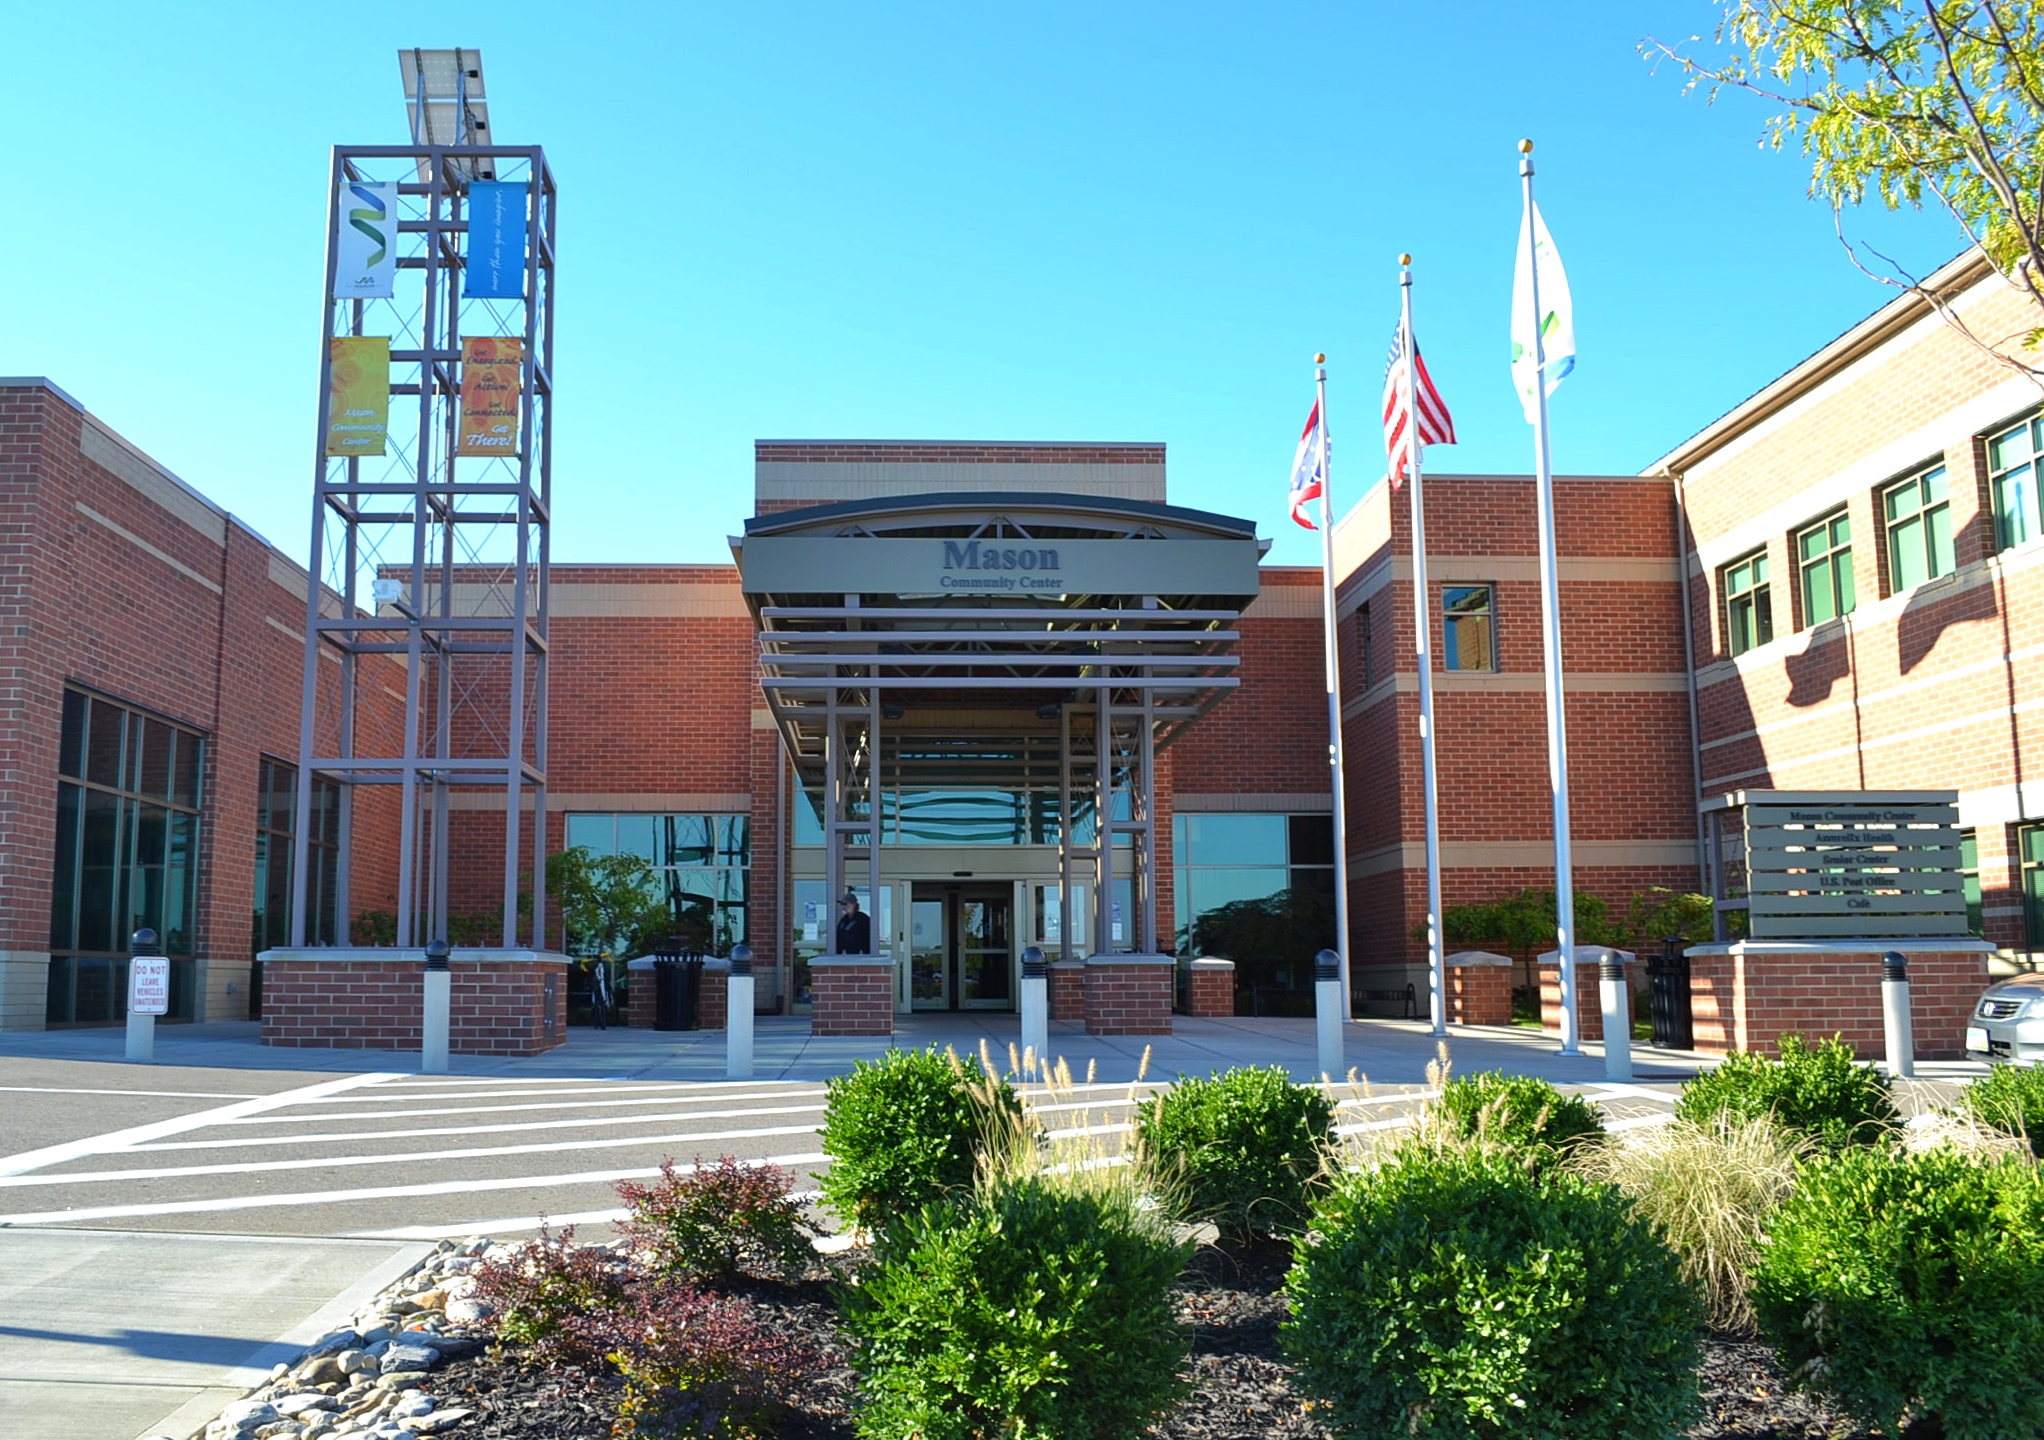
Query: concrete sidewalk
(1389, 1052)
(111, 1335)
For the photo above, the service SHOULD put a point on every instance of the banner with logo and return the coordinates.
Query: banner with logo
(492, 379)
(496, 240)
(365, 241)
(358, 394)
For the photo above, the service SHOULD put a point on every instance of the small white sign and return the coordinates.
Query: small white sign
(149, 985)
(1976, 1039)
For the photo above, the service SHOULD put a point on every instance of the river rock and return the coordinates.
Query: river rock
(356, 1362)
(248, 1414)
(295, 1406)
(439, 1420)
(417, 1402)
(410, 1356)
(401, 1379)
(324, 1370)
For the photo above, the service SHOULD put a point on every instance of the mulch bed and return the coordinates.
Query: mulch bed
(1242, 1388)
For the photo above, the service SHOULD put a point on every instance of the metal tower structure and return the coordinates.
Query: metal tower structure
(429, 552)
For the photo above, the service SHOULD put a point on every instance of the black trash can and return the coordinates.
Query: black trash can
(677, 991)
(1668, 992)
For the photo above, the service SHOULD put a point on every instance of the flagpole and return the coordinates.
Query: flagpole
(1334, 757)
(1550, 620)
(1423, 628)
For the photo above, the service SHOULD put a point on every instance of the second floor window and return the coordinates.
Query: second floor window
(1824, 552)
(1469, 639)
(1919, 516)
(1369, 646)
(1749, 617)
(2012, 477)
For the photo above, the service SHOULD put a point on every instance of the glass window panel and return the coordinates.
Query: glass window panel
(64, 889)
(1906, 554)
(808, 818)
(103, 745)
(180, 878)
(157, 740)
(1466, 639)
(94, 988)
(1312, 838)
(187, 770)
(734, 840)
(1942, 559)
(595, 833)
(71, 741)
(1235, 840)
(98, 853)
(60, 1008)
(687, 840)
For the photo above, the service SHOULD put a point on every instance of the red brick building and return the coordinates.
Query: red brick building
(1829, 588)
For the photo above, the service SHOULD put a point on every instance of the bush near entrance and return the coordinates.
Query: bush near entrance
(1248, 1147)
(1818, 1091)
(907, 1130)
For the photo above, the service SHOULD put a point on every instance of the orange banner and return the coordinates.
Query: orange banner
(358, 394)
(492, 379)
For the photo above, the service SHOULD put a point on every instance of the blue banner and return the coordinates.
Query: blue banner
(496, 240)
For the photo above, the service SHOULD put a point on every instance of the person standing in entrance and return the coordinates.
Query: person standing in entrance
(854, 929)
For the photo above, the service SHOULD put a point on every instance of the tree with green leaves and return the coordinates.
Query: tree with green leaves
(608, 904)
(1905, 99)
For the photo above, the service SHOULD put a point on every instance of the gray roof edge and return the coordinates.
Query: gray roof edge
(995, 500)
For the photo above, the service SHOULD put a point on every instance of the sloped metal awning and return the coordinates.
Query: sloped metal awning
(1017, 603)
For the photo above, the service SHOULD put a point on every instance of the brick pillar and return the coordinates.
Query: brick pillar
(1480, 993)
(1130, 994)
(639, 1008)
(851, 995)
(713, 1000)
(1210, 989)
(1068, 989)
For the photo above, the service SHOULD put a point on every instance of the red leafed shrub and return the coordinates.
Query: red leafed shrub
(536, 1289)
(694, 1364)
(718, 1222)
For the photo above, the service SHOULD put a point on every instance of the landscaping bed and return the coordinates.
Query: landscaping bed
(1242, 1387)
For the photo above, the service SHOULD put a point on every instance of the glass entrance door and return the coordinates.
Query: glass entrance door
(961, 947)
(929, 952)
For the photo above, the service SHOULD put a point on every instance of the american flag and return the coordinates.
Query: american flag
(1309, 479)
(1436, 426)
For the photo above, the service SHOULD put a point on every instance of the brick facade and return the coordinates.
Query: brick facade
(851, 996)
(496, 1007)
(1480, 995)
(1210, 989)
(1129, 994)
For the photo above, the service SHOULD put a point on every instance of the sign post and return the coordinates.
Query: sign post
(148, 994)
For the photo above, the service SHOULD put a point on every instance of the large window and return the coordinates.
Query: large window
(702, 865)
(127, 856)
(1367, 642)
(1468, 636)
(1969, 879)
(276, 826)
(2030, 853)
(2012, 477)
(1919, 519)
(1257, 889)
(1749, 610)
(1824, 557)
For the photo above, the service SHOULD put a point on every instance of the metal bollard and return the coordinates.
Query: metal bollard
(1615, 997)
(1328, 1011)
(1035, 1008)
(439, 1010)
(148, 994)
(1895, 1014)
(738, 1015)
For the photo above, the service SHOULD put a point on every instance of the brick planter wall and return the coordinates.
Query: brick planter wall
(1480, 995)
(1210, 989)
(1589, 1009)
(509, 1006)
(1067, 987)
(851, 995)
(1746, 996)
(712, 1000)
(1130, 994)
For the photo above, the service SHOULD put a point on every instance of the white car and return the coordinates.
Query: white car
(2008, 1023)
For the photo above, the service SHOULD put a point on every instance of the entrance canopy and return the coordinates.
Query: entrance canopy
(1051, 643)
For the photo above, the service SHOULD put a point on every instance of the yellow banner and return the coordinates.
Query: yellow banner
(492, 380)
(358, 394)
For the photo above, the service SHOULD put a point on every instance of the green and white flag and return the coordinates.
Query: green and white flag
(1538, 262)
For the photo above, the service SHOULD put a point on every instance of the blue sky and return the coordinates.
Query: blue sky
(1059, 221)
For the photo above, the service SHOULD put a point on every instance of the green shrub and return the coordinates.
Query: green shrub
(1816, 1092)
(1911, 1287)
(1247, 1147)
(535, 1291)
(1709, 1190)
(2010, 1099)
(1452, 1292)
(719, 1221)
(1036, 1308)
(1518, 1113)
(906, 1130)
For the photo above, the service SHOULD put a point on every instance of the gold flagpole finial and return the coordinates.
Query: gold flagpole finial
(1525, 147)
(1404, 259)
(1319, 359)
